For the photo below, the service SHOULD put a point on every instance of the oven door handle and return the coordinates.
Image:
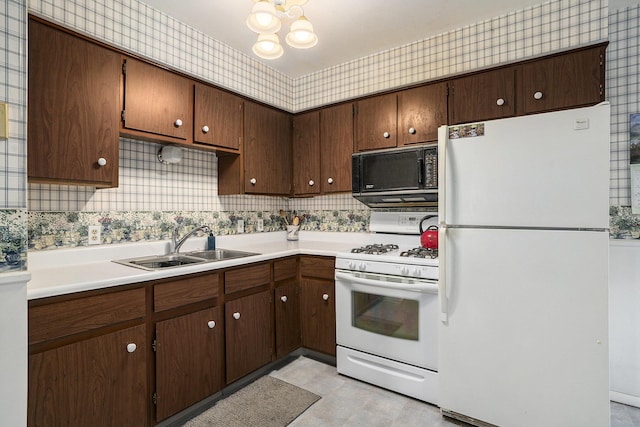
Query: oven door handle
(422, 287)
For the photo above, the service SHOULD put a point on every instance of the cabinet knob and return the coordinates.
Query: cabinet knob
(283, 298)
(177, 123)
(330, 180)
(537, 95)
(311, 183)
(386, 134)
(102, 161)
(211, 324)
(412, 131)
(253, 181)
(205, 129)
(131, 347)
(325, 297)
(236, 315)
(500, 102)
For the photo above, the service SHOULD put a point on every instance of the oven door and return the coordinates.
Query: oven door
(389, 316)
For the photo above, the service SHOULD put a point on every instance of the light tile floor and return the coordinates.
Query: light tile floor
(348, 402)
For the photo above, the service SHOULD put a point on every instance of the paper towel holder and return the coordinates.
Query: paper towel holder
(169, 155)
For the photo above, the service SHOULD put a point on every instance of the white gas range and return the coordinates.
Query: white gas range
(387, 307)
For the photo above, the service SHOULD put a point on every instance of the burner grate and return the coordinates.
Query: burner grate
(375, 249)
(420, 253)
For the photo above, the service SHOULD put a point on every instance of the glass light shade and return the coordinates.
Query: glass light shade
(268, 46)
(301, 35)
(263, 18)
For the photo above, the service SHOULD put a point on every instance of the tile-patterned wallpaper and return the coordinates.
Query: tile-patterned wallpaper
(13, 165)
(133, 26)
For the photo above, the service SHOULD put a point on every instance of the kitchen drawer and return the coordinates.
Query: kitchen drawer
(317, 266)
(246, 278)
(185, 291)
(285, 269)
(59, 319)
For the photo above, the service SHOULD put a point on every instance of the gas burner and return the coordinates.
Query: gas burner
(375, 249)
(420, 253)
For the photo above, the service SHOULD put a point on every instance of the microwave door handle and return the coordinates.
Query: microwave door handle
(421, 171)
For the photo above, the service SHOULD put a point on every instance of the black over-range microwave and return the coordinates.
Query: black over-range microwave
(396, 177)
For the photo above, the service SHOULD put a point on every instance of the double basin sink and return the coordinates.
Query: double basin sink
(160, 262)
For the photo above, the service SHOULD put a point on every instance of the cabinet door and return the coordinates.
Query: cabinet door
(420, 112)
(156, 101)
(218, 118)
(564, 81)
(336, 145)
(287, 311)
(484, 96)
(318, 321)
(306, 153)
(93, 382)
(73, 109)
(375, 122)
(249, 334)
(267, 150)
(189, 360)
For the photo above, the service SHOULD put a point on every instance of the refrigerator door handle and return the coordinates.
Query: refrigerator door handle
(443, 132)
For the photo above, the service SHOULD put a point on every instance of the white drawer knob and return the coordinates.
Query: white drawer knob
(412, 131)
(253, 181)
(386, 134)
(131, 347)
(283, 298)
(102, 161)
(205, 129)
(211, 324)
(500, 102)
(177, 123)
(325, 297)
(236, 315)
(537, 95)
(330, 180)
(311, 183)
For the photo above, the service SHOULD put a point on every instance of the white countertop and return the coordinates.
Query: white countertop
(63, 271)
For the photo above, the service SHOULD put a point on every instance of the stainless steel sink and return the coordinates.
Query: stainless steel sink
(160, 262)
(220, 254)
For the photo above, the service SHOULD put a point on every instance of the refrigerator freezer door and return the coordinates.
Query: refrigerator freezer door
(525, 343)
(544, 170)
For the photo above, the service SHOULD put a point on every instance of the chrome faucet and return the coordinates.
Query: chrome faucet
(175, 243)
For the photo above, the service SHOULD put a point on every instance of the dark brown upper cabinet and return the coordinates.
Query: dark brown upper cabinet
(73, 109)
(218, 118)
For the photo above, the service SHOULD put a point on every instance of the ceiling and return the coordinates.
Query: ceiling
(347, 29)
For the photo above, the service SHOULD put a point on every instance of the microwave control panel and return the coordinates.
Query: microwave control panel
(431, 168)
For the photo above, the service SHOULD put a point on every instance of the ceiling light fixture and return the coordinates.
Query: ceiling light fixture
(266, 19)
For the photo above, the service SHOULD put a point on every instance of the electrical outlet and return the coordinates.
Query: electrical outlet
(260, 225)
(240, 226)
(95, 237)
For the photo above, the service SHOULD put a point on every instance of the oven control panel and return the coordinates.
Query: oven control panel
(427, 272)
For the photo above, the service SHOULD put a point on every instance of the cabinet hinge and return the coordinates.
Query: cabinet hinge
(124, 67)
(155, 398)
(123, 115)
(154, 345)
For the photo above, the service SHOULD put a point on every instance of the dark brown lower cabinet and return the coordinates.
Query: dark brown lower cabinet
(189, 360)
(318, 320)
(248, 334)
(94, 382)
(287, 312)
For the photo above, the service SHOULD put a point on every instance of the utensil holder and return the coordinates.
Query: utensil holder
(292, 232)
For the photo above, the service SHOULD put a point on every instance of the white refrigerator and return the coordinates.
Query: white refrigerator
(524, 214)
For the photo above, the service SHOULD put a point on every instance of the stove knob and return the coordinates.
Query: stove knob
(352, 265)
(362, 266)
(417, 272)
(404, 271)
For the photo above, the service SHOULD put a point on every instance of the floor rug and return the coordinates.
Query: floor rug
(267, 402)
